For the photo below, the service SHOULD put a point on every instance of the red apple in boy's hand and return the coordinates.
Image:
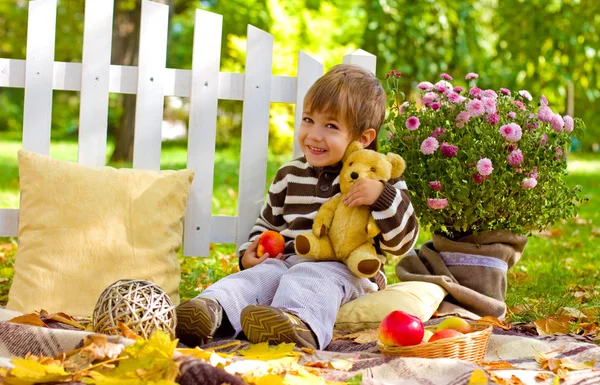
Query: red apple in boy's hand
(270, 242)
(400, 328)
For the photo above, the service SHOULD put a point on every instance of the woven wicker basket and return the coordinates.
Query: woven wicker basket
(469, 347)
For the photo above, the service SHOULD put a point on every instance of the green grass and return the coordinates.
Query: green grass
(558, 269)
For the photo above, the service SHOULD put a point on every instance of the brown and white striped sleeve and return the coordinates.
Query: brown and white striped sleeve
(395, 216)
(271, 214)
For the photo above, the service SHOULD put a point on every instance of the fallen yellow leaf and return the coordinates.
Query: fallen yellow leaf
(263, 352)
(363, 336)
(494, 322)
(29, 319)
(478, 377)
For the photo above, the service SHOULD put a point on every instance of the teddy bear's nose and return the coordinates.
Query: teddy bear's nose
(354, 175)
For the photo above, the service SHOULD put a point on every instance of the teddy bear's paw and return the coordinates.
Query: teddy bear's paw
(302, 245)
(363, 264)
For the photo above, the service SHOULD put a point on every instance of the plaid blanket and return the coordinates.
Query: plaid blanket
(515, 348)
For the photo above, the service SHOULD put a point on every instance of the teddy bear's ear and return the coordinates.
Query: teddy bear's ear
(398, 164)
(354, 146)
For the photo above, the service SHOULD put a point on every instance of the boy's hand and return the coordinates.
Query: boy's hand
(363, 192)
(249, 259)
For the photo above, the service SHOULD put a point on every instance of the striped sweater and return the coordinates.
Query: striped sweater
(298, 191)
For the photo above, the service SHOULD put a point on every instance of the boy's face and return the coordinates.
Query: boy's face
(322, 138)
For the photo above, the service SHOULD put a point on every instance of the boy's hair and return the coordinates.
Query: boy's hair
(352, 94)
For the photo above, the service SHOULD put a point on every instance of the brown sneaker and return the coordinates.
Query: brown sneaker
(262, 323)
(197, 321)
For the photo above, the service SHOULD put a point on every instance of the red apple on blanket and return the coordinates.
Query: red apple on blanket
(400, 328)
(455, 323)
(270, 242)
(446, 333)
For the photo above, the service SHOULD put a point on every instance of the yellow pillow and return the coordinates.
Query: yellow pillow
(420, 299)
(83, 228)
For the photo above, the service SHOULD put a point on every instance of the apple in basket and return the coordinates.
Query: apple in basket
(270, 242)
(400, 328)
(455, 323)
(445, 333)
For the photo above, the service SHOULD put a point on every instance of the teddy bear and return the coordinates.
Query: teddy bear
(341, 233)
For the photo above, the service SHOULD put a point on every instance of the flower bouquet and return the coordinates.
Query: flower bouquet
(481, 160)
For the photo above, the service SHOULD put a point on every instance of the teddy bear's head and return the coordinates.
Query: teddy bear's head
(359, 163)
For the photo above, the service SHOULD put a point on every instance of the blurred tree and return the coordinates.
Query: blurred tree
(551, 48)
(422, 39)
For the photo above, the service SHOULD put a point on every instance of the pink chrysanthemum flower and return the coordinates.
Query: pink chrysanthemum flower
(403, 106)
(569, 123)
(439, 131)
(489, 94)
(545, 114)
(557, 123)
(455, 98)
(429, 145)
(493, 119)
(512, 114)
(436, 185)
(425, 86)
(543, 101)
(476, 107)
(477, 178)
(430, 97)
(519, 104)
(458, 89)
(462, 118)
(437, 204)
(529, 183)
(511, 132)
(390, 136)
(515, 158)
(484, 166)
(446, 76)
(525, 95)
(448, 150)
(489, 104)
(435, 106)
(544, 140)
(444, 84)
(505, 91)
(534, 173)
(475, 92)
(559, 151)
(471, 75)
(412, 123)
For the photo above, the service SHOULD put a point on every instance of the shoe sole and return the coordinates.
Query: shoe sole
(194, 326)
(262, 324)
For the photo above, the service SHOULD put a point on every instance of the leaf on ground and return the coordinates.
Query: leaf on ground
(264, 352)
(560, 366)
(337, 364)
(542, 376)
(494, 322)
(63, 318)
(213, 358)
(303, 377)
(575, 314)
(363, 336)
(27, 371)
(32, 319)
(478, 377)
(269, 379)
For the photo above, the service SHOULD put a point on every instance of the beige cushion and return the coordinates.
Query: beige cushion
(83, 228)
(420, 299)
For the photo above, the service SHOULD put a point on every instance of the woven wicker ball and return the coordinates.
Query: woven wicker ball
(141, 305)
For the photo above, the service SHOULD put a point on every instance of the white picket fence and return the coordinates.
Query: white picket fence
(204, 84)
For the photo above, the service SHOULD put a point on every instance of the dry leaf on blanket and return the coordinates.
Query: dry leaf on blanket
(561, 366)
(337, 364)
(497, 365)
(28, 371)
(547, 326)
(478, 377)
(363, 336)
(494, 322)
(95, 348)
(264, 352)
(513, 380)
(62, 318)
(542, 376)
(32, 319)
(126, 331)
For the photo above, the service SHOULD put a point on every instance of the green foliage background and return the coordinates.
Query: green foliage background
(544, 46)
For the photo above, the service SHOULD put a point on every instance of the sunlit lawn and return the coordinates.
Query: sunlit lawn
(558, 269)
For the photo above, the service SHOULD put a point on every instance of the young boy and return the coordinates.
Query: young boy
(289, 298)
